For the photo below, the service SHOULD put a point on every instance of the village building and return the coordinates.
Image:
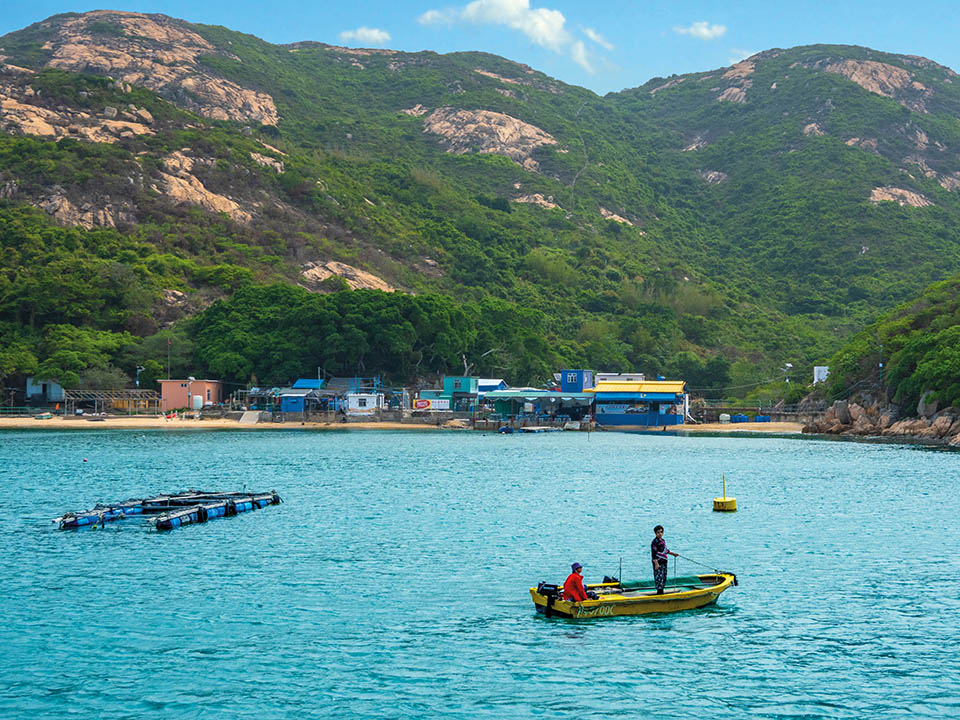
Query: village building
(364, 403)
(43, 392)
(485, 385)
(462, 391)
(633, 404)
(569, 402)
(189, 393)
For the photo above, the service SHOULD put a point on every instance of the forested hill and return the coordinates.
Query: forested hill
(158, 178)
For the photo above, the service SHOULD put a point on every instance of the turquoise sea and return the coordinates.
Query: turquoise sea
(393, 581)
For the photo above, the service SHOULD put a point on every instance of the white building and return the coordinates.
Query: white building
(364, 404)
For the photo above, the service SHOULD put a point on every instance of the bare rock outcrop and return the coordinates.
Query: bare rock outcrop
(264, 161)
(951, 182)
(667, 85)
(735, 93)
(161, 54)
(104, 213)
(613, 216)
(314, 273)
(20, 112)
(713, 177)
(537, 199)
(883, 79)
(741, 82)
(416, 111)
(184, 188)
(877, 77)
(898, 195)
(501, 78)
(740, 71)
(812, 129)
(484, 131)
(865, 143)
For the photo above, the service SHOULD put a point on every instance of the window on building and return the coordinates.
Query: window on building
(458, 384)
(571, 377)
(362, 402)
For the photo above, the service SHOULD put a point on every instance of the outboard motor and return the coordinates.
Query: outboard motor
(552, 593)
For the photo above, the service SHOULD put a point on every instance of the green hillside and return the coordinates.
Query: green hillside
(906, 353)
(713, 225)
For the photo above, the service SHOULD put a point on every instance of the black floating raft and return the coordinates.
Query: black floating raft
(172, 511)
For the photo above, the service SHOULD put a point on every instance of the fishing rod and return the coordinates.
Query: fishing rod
(735, 582)
(709, 567)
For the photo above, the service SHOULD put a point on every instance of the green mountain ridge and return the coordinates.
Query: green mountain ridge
(743, 217)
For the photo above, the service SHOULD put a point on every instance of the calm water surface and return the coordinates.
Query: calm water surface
(392, 583)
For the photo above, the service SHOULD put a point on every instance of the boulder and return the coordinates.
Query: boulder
(841, 409)
(864, 426)
(940, 427)
(954, 428)
(927, 405)
(855, 411)
(110, 112)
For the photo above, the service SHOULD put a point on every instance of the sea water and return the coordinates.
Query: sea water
(393, 581)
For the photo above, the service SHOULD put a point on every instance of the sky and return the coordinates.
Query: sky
(604, 46)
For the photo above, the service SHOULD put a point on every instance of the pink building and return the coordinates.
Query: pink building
(189, 393)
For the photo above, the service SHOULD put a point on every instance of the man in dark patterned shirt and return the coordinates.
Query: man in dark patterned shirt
(659, 553)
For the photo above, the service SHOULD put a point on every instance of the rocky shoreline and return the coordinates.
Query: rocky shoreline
(873, 420)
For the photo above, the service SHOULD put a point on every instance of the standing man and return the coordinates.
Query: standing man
(573, 589)
(659, 553)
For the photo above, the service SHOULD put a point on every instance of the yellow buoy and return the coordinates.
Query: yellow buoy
(725, 504)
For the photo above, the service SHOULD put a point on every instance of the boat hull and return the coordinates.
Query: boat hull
(617, 603)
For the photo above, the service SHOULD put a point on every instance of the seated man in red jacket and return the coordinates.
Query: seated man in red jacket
(573, 589)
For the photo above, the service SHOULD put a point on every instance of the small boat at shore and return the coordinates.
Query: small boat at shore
(617, 598)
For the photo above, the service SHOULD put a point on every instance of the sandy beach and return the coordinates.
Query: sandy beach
(781, 428)
(145, 422)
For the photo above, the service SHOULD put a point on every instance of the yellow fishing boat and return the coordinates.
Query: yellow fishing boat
(633, 598)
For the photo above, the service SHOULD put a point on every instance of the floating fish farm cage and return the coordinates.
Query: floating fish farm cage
(171, 511)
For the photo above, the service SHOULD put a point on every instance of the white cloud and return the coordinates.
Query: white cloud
(579, 54)
(702, 30)
(438, 17)
(370, 37)
(542, 26)
(736, 55)
(598, 38)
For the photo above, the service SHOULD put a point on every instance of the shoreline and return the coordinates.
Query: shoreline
(159, 422)
(156, 422)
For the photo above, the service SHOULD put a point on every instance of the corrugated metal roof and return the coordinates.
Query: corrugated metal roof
(647, 386)
(491, 382)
